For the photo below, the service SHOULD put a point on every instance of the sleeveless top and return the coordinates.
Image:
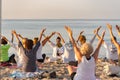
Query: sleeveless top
(86, 69)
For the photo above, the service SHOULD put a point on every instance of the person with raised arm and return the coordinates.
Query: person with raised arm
(5, 59)
(82, 39)
(68, 54)
(58, 48)
(86, 59)
(40, 57)
(111, 50)
(23, 39)
(19, 50)
(114, 42)
(29, 55)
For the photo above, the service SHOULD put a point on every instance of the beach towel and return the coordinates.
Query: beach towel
(20, 74)
(8, 65)
(5, 64)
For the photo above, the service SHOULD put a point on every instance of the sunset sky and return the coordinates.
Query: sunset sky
(61, 9)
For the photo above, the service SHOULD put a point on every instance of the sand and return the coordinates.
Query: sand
(60, 69)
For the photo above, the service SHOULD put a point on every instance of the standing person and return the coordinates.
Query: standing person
(111, 50)
(86, 60)
(29, 55)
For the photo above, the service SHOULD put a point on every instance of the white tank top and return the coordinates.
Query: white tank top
(86, 69)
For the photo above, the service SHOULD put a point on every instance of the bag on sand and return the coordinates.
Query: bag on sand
(111, 69)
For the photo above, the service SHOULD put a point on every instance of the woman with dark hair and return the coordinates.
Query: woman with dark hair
(58, 48)
(4, 55)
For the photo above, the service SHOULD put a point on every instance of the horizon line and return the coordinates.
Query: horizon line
(60, 19)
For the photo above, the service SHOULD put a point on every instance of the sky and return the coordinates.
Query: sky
(61, 9)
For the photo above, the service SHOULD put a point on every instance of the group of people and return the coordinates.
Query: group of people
(78, 53)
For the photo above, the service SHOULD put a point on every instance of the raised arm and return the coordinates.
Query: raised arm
(76, 49)
(96, 32)
(43, 30)
(7, 39)
(47, 39)
(92, 40)
(112, 36)
(79, 36)
(12, 37)
(63, 41)
(118, 29)
(96, 52)
(50, 42)
(9, 42)
(19, 35)
(16, 35)
(97, 35)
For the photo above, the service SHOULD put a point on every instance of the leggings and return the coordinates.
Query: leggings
(11, 59)
(42, 60)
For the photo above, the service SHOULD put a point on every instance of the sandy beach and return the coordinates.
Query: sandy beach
(59, 68)
(59, 39)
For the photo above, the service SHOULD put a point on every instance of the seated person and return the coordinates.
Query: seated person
(4, 58)
(29, 55)
(40, 57)
(58, 48)
(111, 50)
(68, 55)
(86, 59)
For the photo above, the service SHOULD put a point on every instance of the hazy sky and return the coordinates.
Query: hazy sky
(61, 9)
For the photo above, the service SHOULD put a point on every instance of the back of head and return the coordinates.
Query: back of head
(4, 42)
(86, 49)
(82, 39)
(35, 40)
(29, 44)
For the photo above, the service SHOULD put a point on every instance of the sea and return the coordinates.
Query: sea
(31, 28)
